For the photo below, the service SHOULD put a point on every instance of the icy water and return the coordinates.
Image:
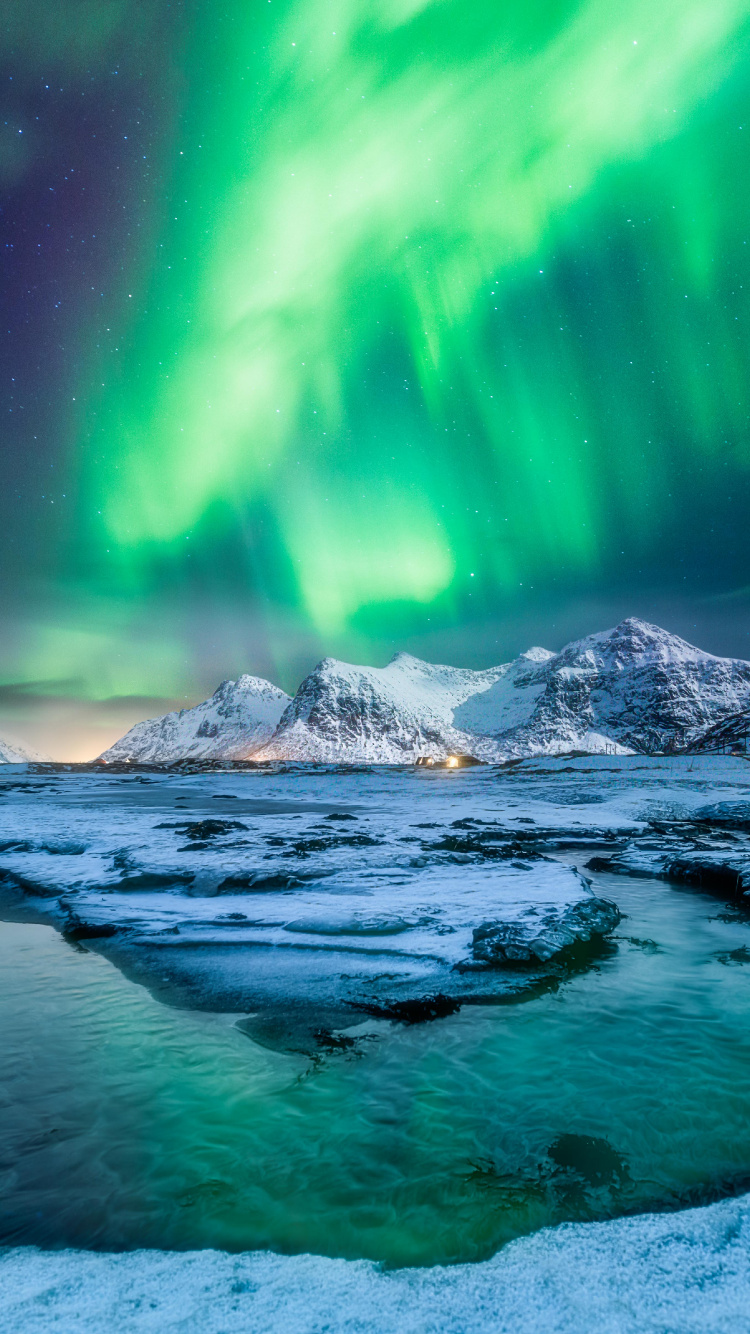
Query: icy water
(124, 1123)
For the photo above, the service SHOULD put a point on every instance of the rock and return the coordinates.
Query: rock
(718, 872)
(502, 943)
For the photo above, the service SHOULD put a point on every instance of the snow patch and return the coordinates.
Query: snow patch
(652, 1274)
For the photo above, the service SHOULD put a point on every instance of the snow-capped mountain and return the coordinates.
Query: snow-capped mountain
(387, 715)
(11, 753)
(635, 687)
(238, 718)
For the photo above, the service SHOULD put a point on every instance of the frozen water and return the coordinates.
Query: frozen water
(324, 890)
(328, 888)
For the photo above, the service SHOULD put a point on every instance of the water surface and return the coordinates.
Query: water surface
(125, 1123)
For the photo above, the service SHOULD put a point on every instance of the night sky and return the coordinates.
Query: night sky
(346, 326)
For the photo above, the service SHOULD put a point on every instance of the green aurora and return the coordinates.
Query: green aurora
(418, 314)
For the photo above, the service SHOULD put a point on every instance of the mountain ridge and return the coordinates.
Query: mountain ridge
(633, 688)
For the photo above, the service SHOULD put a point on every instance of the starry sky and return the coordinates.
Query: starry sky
(346, 326)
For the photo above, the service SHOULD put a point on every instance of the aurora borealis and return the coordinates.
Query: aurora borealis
(341, 327)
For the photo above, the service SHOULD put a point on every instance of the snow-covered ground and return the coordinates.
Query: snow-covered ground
(314, 893)
(683, 1273)
(309, 890)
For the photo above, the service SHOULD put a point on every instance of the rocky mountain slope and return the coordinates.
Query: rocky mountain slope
(730, 734)
(635, 687)
(396, 713)
(231, 725)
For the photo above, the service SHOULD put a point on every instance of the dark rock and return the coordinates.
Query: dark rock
(78, 930)
(476, 846)
(741, 956)
(498, 943)
(722, 874)
(201, 830)
(139, 880)
(589, 1157)
(724, 815)
(419, 1010)
(258, 882)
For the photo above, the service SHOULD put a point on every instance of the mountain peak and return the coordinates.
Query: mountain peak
(634, 624)
(537, 654)
(636, 630)
(631, 640)
(402, 659)
(239, 717)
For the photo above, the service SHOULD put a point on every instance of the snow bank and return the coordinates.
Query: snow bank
(684, 1273)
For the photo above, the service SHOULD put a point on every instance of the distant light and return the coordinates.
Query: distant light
(452, 762)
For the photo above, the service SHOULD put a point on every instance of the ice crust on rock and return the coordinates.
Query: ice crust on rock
(436, 921)
(724, 871)
(686, 1272)
(231, 725)
(508, 942)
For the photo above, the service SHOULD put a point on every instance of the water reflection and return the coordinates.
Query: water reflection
(124, 1123)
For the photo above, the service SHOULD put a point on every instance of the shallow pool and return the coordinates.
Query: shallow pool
(124, 1123)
